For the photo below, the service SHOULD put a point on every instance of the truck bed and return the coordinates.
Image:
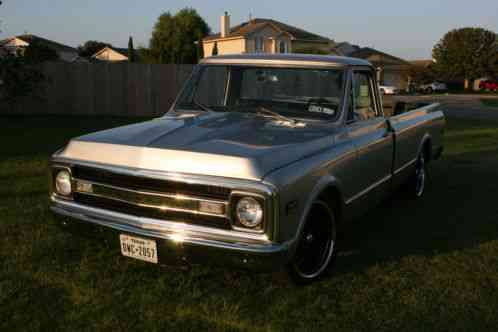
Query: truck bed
(413, 128)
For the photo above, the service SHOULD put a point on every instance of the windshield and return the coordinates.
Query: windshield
(292, 92)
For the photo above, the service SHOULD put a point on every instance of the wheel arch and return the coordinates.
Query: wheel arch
(426, 147)
(329, 189)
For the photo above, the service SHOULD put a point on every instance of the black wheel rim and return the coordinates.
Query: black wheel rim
(420, 177)
(316, 244)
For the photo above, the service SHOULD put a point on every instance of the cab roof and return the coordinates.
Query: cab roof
(286, 59)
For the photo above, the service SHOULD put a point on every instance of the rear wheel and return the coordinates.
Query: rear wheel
(316, 246)
(429, 90)
(418, 182)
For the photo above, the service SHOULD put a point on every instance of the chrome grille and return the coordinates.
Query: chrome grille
(138, 211)
(151, 198)
(148, 184)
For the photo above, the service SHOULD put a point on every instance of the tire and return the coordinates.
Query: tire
(418, 182)
(429, 90)
(317, 245)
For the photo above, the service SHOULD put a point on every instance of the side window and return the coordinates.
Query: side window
(364, 101)
(211, 87)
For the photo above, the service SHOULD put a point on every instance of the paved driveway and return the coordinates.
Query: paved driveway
(455, 106)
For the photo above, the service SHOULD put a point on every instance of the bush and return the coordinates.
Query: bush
(20, 78)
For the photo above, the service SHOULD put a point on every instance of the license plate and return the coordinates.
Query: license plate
(138, 248)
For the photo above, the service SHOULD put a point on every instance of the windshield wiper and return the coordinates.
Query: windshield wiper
(201, 106)
(262, 109)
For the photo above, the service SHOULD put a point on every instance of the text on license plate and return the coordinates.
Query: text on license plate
(138, 248)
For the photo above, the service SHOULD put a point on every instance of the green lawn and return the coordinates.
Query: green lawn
(489, 102)
(407, 266)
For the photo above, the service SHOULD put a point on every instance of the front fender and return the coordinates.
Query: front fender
(325, 183)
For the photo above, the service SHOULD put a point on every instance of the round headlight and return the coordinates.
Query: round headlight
(63, 183)
(249, 212)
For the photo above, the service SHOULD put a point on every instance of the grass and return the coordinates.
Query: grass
(489, 102)
(408, 266)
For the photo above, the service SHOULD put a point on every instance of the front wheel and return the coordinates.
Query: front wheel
(317, 245)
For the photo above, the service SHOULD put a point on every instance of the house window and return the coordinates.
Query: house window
(282, 47)
(259, 44)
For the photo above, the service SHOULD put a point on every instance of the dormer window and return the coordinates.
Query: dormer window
(259, 44)
(282, 47)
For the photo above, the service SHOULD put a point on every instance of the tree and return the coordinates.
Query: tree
(174, 37)
(131, 50)
(91, 47)
(467, 53)
(37, 52)
(215, 49)
(20, 76)
(420, 74)
(200, 50)
(146, 56)
(20, 79)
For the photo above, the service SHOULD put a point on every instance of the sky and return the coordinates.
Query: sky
(407, 29)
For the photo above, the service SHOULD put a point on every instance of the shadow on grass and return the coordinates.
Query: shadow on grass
(50, 302)
(34, 136)
(458, 212)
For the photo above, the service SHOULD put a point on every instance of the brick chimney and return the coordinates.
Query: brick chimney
(225, 25)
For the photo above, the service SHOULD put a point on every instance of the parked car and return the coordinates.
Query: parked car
(260, 162)
(489, 85)
(388, 90)
(433, 87)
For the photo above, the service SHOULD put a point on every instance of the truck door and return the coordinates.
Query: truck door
(373, 140)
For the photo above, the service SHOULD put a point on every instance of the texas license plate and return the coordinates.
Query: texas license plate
(138, 248)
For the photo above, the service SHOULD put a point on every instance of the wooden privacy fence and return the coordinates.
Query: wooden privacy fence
(106, 89)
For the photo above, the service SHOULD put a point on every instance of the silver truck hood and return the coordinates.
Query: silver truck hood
(233, 145)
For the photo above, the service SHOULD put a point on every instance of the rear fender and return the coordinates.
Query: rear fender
(426, 139)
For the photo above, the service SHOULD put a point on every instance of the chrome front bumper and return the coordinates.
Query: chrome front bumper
(178, 240)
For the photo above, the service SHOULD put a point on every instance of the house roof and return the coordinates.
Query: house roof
(122, 51)
(422, 63)
(251, 26)
(49, 43)
(366, 52)
(347, 48)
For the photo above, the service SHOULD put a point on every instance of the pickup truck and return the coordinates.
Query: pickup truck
(259, 163)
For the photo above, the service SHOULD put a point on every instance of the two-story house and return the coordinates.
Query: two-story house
(265, 36)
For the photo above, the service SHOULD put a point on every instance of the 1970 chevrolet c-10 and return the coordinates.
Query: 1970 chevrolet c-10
(259, 162)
